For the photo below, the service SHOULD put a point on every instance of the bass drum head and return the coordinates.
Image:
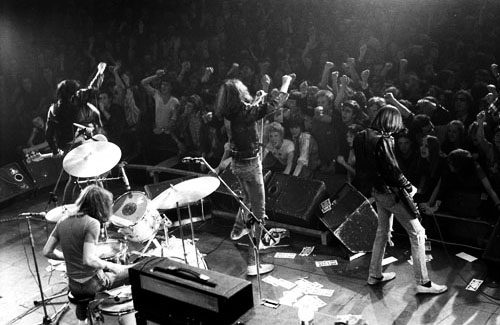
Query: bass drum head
(131, 206)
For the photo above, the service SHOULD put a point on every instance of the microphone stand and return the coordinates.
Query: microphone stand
(250, 224)
(53, 196)
(46, 318)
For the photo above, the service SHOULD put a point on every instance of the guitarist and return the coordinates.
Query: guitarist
(377, 167)
(72, 106)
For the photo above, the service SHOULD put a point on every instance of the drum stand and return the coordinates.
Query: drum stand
(251, 224)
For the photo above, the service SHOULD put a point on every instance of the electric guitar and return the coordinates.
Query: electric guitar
(36, 156)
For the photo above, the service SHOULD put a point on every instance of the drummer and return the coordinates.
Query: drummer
(77, 235)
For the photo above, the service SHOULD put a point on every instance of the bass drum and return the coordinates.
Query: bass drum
(134, 214)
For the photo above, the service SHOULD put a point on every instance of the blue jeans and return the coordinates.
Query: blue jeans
(249, 174)
(388, 206)
(100, 282)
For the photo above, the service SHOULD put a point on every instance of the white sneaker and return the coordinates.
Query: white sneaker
(264, 268)
(385, 277)
(433, 289)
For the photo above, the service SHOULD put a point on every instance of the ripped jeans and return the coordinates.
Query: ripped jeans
(388, 205)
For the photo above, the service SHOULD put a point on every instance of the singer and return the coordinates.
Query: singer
(241, 112)
(78, 236)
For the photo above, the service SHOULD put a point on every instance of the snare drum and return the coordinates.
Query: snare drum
(118, 308)
(112, 250)
(135, 216)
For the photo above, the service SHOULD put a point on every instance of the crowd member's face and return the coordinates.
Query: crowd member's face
(424, 149)
(404, 145)
(347, 115)
(461, 106)
(104, 100)
(275, 139)
(323, 101)
(165, 88)
(295, 131)
(453, 133)
(189, 108)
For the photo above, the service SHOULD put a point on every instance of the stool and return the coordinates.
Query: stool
(82, 303)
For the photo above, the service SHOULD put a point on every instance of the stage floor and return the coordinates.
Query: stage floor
(393, 303)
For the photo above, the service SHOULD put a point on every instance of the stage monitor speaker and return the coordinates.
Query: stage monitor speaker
(294, 200)
(169, 292)
(13, 182)
(46, 171)
(351, 218)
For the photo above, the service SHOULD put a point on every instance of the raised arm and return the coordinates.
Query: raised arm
(146, 82)
(323, 84)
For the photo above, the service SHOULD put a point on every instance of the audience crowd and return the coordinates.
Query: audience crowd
(165, 60)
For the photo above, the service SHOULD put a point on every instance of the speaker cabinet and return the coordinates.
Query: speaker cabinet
(351, 218)
(13, 182)
(294, 200)
(45, 172)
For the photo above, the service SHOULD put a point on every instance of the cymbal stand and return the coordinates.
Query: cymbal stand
(251, 224)
(46, 318)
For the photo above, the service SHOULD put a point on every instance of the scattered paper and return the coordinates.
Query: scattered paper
(348, 319)
(308, 301)
(474, 284)
(286, 284)
(389, 260)
(271, 280)
(320, 292)
(285, 255)
(306, 251)
(326, 263)
(355, 256)
(467, 257)
(304, 284)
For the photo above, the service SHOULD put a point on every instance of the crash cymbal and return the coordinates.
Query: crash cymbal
(189, 191)
(59, 212)
(92, 159)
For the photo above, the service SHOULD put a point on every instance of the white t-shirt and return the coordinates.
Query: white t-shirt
(164, 112)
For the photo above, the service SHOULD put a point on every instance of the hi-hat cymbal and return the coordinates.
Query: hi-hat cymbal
(92, 159)
(59, 212)
(186, 192)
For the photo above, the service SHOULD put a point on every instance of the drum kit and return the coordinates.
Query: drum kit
(136, 219)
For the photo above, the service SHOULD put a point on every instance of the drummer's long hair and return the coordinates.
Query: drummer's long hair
(96, 202)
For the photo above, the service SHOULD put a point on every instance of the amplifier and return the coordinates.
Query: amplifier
(166, 292)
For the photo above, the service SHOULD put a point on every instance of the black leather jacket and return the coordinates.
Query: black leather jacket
(376, 165)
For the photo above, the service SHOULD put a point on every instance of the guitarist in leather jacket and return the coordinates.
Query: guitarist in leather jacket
(378, 169)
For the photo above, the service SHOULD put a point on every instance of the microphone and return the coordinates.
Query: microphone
(33, 214)
(197, 160)
(124, 177)
(82, 129)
